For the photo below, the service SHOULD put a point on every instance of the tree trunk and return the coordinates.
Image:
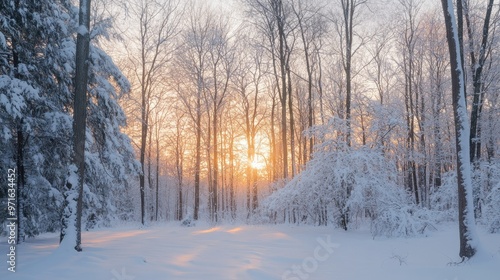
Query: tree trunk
(292, 121)
(307, 58)
(72, 218)
(348, 11)
(320, 89)
(255, 201)
(198, 151)
(283, 93)
(214, 192)
(232, 199)
(150, 177)
(20, 153)
(468, 239)
(273, 153)
(20, 183)
(179, 165)
(157, 170)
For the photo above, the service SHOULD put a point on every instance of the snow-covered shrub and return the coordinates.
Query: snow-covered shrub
(491, 205)
(444, 199)
(404, 219)
(188, 222)
(491, 214)
(348, 185)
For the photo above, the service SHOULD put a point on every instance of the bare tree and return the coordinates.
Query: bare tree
(411, 67)
(192, 75)
(160, 115)
(179, 164)
(272, 20)
(437, 65)
(345, 25)
(153, 49)
(312, 27)
(248, 82)
(477, 62)
(349, 14)
(220, 66)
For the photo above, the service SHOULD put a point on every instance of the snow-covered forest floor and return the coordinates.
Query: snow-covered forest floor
(252, 252)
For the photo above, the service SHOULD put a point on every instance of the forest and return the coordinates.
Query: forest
(345, 113)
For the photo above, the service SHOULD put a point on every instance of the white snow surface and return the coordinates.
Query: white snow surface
(251, 252)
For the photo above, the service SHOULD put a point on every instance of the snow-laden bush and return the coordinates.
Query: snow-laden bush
(444, 199)
(491, 205)
(348, 185)
(402, 219)
(491, 214)
(491, 211)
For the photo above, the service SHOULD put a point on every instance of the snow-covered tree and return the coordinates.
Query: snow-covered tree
(37, 62)
(72, 215)
(454, 29)
(320, 192)
(37, 85)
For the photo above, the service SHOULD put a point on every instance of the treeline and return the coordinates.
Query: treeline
(275, 73)
(229, 103)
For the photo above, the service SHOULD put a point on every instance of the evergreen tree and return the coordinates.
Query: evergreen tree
(37, 63)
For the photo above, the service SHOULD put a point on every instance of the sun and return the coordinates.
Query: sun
(258, 163)
(259, 160)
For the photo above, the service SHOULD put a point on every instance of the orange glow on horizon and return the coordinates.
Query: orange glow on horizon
(235, 230)
(106, 236)
(214, 229)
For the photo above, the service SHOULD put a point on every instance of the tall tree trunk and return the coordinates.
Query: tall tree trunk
(468, 239)
(20, 150)
(279, 13)
(150, 177)
(20, 183)
(198, 150)
(348, 11)
(157, 183)
(307, 58)
(222, 181)
(255, 200)
(320, 90)
(411, 98)
(250, 156)
(436, 115)
(292, 120)
(179, 164)
(273, 153)
(215, 167)
(310, 110)
(142, 157)
(209, 163)
(72, 217)
(232, 199)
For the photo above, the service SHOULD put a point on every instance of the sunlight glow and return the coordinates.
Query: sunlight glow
(207, 230)
(235, 230)
(183, 260)
(257, 163)
(276, 235)
(48, 246)
(261, 153)
(106, 237)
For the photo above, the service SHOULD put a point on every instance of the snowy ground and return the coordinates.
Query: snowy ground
(251, 252)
